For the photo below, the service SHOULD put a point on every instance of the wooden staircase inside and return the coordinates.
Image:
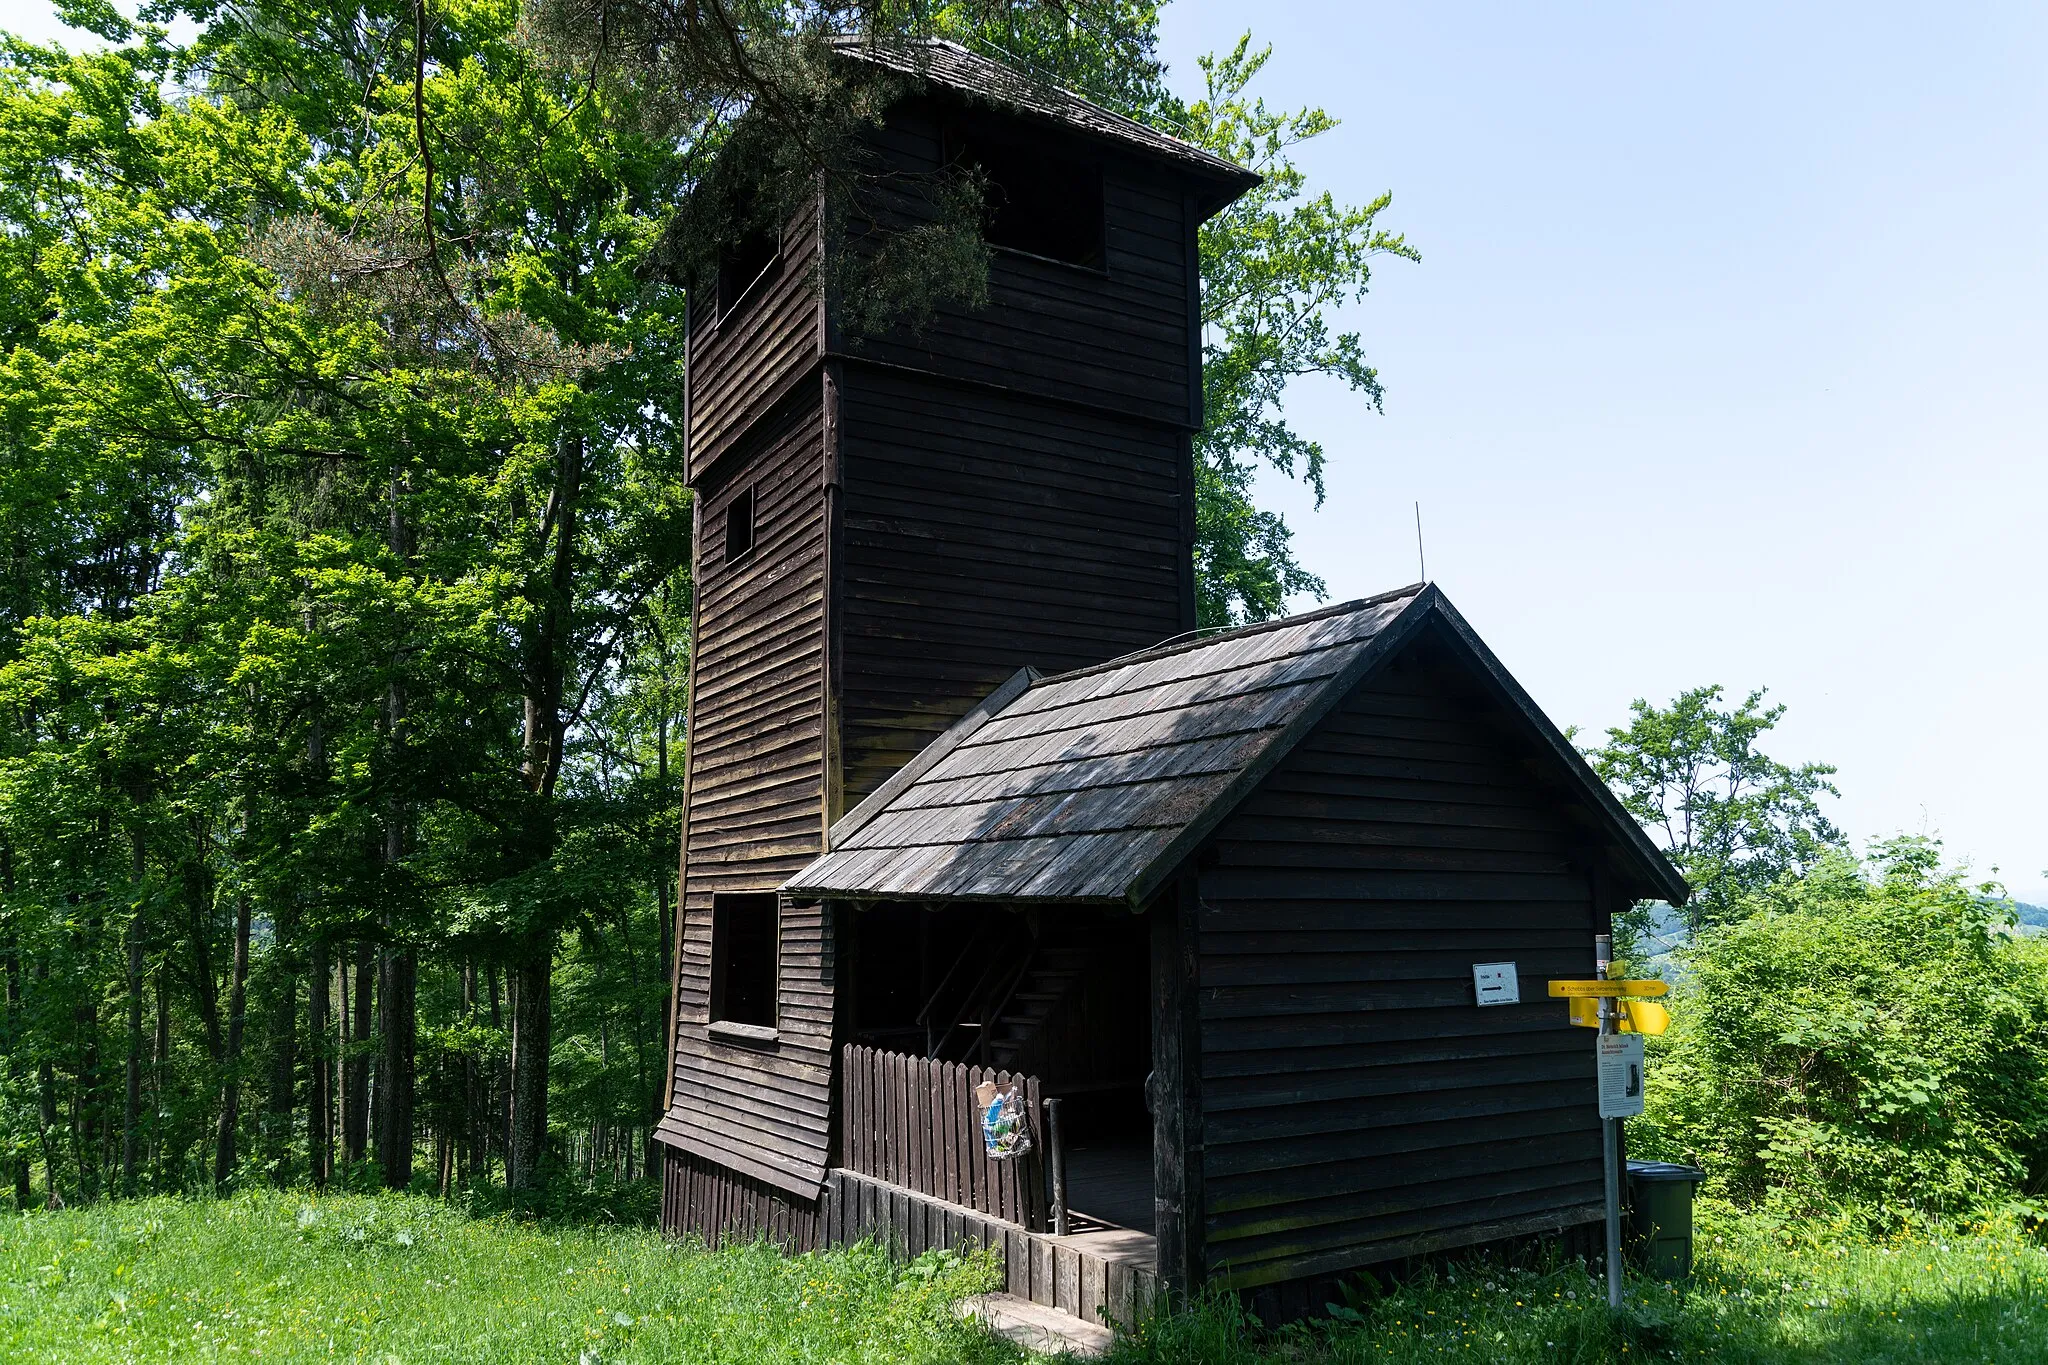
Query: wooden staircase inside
(1050, 977)
(993, 1004)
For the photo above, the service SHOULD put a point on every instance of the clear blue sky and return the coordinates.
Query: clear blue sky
(1724, 363)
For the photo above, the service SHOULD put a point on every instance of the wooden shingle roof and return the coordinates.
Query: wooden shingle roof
(1070, 788)
(948, 64)
(1092, 787)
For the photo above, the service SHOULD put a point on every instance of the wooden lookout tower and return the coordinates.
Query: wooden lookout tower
(967, 801)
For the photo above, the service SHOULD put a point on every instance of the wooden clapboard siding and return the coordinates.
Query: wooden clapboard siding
(742, 363)
(983, 532)
(1114, 338)
(757, 813)
(1356, 1104)
(1010, 485)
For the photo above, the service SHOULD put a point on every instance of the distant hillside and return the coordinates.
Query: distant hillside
(2036, 915)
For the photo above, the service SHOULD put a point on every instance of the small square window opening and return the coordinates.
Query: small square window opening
(739, 526)
(744, 930)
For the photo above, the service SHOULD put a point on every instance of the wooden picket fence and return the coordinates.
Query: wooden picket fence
(913, 1122)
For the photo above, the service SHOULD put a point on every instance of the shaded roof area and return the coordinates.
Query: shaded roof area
(946, 63)
(1093, 787)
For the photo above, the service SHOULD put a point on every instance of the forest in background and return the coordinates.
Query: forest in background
(344, 548)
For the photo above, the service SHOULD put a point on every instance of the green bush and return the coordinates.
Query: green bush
(1867, 1036)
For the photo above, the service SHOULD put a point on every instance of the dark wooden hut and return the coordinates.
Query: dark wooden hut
(954, 815)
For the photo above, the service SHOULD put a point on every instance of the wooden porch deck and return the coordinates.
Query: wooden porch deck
(1097, 1273)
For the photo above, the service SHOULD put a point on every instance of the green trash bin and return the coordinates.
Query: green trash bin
(1660, 1216)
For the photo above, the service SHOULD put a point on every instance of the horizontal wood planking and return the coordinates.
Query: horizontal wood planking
(1115, 338)
(740, 364)
(913, 1122)
(757, 815)
(984, 533)
(1355, 1098)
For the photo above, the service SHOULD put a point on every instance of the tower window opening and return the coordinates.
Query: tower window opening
(744, 264)
(744, 930)
(1037, 202)
(739, 526)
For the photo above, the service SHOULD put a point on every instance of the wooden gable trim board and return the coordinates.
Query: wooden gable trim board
(1649, 860)
(1384, 643)
(1427, 607)
(961, 71)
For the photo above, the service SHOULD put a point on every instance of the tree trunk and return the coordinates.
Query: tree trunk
(546, 679)
(532, 982)
(395, 1065)
(231, 1070)
(501, 1077)
(355, 1117)
(160, 1062)
(10, 1038)
(666, 936)
(473, 1128)
(319, 1068)
(46, 1100)
(131, 1107)
(283, 1067)
(395, 1070)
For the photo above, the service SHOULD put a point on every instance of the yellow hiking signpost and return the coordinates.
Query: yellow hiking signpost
(1597, 988)
(1604, 1004)
(1631, 1016)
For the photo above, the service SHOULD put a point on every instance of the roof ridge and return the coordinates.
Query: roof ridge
(1181, 644)
(905, 46)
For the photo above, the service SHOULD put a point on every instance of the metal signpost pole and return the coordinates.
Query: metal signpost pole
(1610, 1132)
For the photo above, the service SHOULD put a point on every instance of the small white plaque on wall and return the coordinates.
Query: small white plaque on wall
(1494, 983)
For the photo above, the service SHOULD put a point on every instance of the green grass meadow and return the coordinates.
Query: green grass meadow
(278, 1276)
(397, 1280)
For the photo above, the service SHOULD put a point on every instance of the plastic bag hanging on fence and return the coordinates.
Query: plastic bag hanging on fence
(1005, 1122)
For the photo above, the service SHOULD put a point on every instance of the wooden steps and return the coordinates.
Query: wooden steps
(1104, 1275)
(1037, 1328)
(1050, 979)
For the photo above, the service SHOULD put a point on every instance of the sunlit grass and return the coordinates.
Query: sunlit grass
(1763, 1292)
(271, 1276)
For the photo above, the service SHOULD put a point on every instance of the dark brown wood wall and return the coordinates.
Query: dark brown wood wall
(1114, 338)
(756, 816)
(986, 531)
(742, 365)
(1010, 486)
(1356, 1104)
(723, 1206)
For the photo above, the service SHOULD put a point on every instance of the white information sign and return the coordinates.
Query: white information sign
(1494, 983)
(1620, 1064)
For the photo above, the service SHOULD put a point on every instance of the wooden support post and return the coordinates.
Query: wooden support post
(1057, 1154)
(1174, 1090)
(1610, 1135)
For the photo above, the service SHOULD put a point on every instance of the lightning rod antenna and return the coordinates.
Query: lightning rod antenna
(1421, 564)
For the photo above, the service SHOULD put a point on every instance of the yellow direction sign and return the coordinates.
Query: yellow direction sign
(1631, 1016)
(1570, 989)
